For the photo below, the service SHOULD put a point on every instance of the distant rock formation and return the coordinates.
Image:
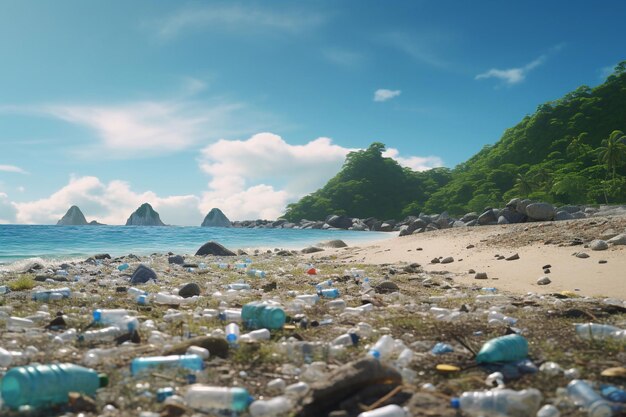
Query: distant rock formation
(73, 217)
(144, 216)
(216, 218)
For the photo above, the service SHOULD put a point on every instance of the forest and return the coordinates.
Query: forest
(570, 151)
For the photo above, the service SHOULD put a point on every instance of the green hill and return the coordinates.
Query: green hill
(571, 151)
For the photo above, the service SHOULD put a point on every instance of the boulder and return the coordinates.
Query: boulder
(142, 275)
(215, 218)
(176, 259)
(386, 227)
(73, 217)
(488, 217)
(598, 245)
(502, 220)
(387, 287)
(563, 215)
(512, 215)
(337, 243)
(469, 217)
(540, 211)
(570, 209)
(189, 290)
(102, 256)
(618, 240)
(521, 205)
(340, 222)
(543, 281)
(214, 248)
(512, 204)
(144, 216)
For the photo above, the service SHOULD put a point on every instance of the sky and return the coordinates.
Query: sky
(248, 106)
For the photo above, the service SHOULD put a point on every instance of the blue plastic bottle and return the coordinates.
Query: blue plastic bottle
(257, 315)
(45, 385)
(329, 293)
(256, 273)
(123, 267)
(191, 362)
(509, 348)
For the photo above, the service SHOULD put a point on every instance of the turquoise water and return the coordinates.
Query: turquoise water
(68, 242)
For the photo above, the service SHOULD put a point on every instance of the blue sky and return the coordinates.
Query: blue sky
(248, 106)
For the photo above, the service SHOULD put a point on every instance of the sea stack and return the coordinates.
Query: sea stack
(144, 216)
(216, 218)
(73, 217)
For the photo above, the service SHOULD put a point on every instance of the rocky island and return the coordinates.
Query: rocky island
(144, 216)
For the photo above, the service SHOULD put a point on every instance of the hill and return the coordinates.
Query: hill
(570, 151)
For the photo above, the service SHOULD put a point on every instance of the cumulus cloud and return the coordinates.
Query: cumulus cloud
(12, 168)
(237, 19)
(416, 163)
(110, 203)
(383, 94)
(512, 76)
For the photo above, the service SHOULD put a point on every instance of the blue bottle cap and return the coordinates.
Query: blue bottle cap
(231, 338)
(455, 403)
(355, 338)
(97, 315)
(375, 354)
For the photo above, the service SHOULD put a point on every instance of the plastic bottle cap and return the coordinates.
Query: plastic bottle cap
(104, 380)
(231, 338)
(355, 338)
(97, 315)
(455, 402)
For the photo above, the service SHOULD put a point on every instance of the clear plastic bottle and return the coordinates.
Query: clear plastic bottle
(171, 299)
(346, 339)
(136, 292)
(20, 323)
(232, 333)
(548, 410)
(190, 362)
(204, 397)
(229, 315)
(269, 408)
(595, 331)
(257, 315)
(324, 284)
(106, 334)
(50, 295)
(238, 286)
(383, 348)
(44, 385)
(309, 299)
(255, 273)
(499, 403)
(109, 316)
(256, 335)
(391, 410)
(584, 396)
(337, 304)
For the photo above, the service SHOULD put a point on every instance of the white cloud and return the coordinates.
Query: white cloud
(416, 163)
(512, 76)
(12, 168)
(110, 203)
(237, 19)
(383, 94)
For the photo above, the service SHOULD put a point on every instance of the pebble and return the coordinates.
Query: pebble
(447, 260)
(480, 275)
(513, 257)
(582, 255)
(602, 261)
(543, 281)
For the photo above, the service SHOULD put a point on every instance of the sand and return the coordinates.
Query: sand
(537, 244)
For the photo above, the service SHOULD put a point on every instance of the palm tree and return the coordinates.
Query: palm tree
(524, 184)
(613, 151)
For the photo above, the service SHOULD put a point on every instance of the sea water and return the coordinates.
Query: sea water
(18, 242)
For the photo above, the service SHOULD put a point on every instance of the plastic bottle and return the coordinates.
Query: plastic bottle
(44, 385)
(383, 348)
(594, 331)
(4, 289)
(232, 333)
(107, 334)
(256, 335)
(170, 299)
(584, 396)
(391, 410)
(230, 315)
(404, 358)
(346, 339)
(309, 299)
(329, 293)
(257, 315)
(49, 295)
(238, 286)
(190, 362)
(612, 393)
(109, 316)
(255, 273)
(548, 410)
(20, 323)
(499, 403)
(337, 304)
(123, 267)
(507, 348)
(7, 358)
(324, 284)
(204, 397)
(269, 408)
(136, 292)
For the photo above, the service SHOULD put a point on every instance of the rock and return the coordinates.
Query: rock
(284, 253)
(189, 290)
(582, 255)
(480, 275)
(471, 271)
(540, 211)
(563, 215)
(215, 218)
(608, 234)
(214, 248)
(570, 209)
(102, 256)
(435, 261)
(513, 257)
(176, 259)
(618, 240)
(73, 217)
(386, 227)
(447, 260)
(340, 222)
(543, 281)
(469, 217)
(217, 346)
(311, 249)
(173, 410)
(512, 215)
(598, 245)
(521, 205)
(337, 243)
(142, 275)
(144, 216)
(602, 261)
(270, 286)
(344, 383)
(488, 217)
(387, 287)
(502, 220)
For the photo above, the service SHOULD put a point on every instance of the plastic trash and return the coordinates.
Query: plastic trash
(230, 315)
(612, 393)
(329, 293)
(346, 339)
(337, 304)
(238, 286)
(270, 408)
(584, 396)
(232, 333)
(163, 393)
(297, 390)
(257, 315)
(4, 289)
(200, 351)
(255, 273)
(256, 335)
(509, 348)
(204, 397)
(324, 284)
(170, 299)
(548, 410)
(20, 323)
(594, 331)
(190, 362)
(50, 295)
(309, 299)
(499, 403)
(8, 358)
(109, 316)
(391, 410)
(44, 385)
(441, 348)
(123, 267)
(383, 348)
(495, 380)
(106, 334)
(276, 386)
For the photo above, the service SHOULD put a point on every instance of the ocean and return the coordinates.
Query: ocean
(20, 242)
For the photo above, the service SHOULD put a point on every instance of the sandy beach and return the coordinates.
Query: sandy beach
(537, 244)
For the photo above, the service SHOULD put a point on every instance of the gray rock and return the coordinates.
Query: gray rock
(142, 275)
(458, 223)
(598, 245)
(214, 248)
(512, 204)
(488, 217)
(387, 287)
(189, 290)
(73, 217)
(513, 257)
(608, 234)
(582, 255)
(563, 215)
(337, 243)
(311, 249)
(480, 275)
(340, 222)
(570, 209)
(386, 227)
(447, 260)
(502, 220)
(469, 217)
(176, 259)
(102, 256)
(579, 215)
(521, 205)
(512, 215)
(215, 218)
(618, 240)
(540, 211)
(144, 216)
(543, 281)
